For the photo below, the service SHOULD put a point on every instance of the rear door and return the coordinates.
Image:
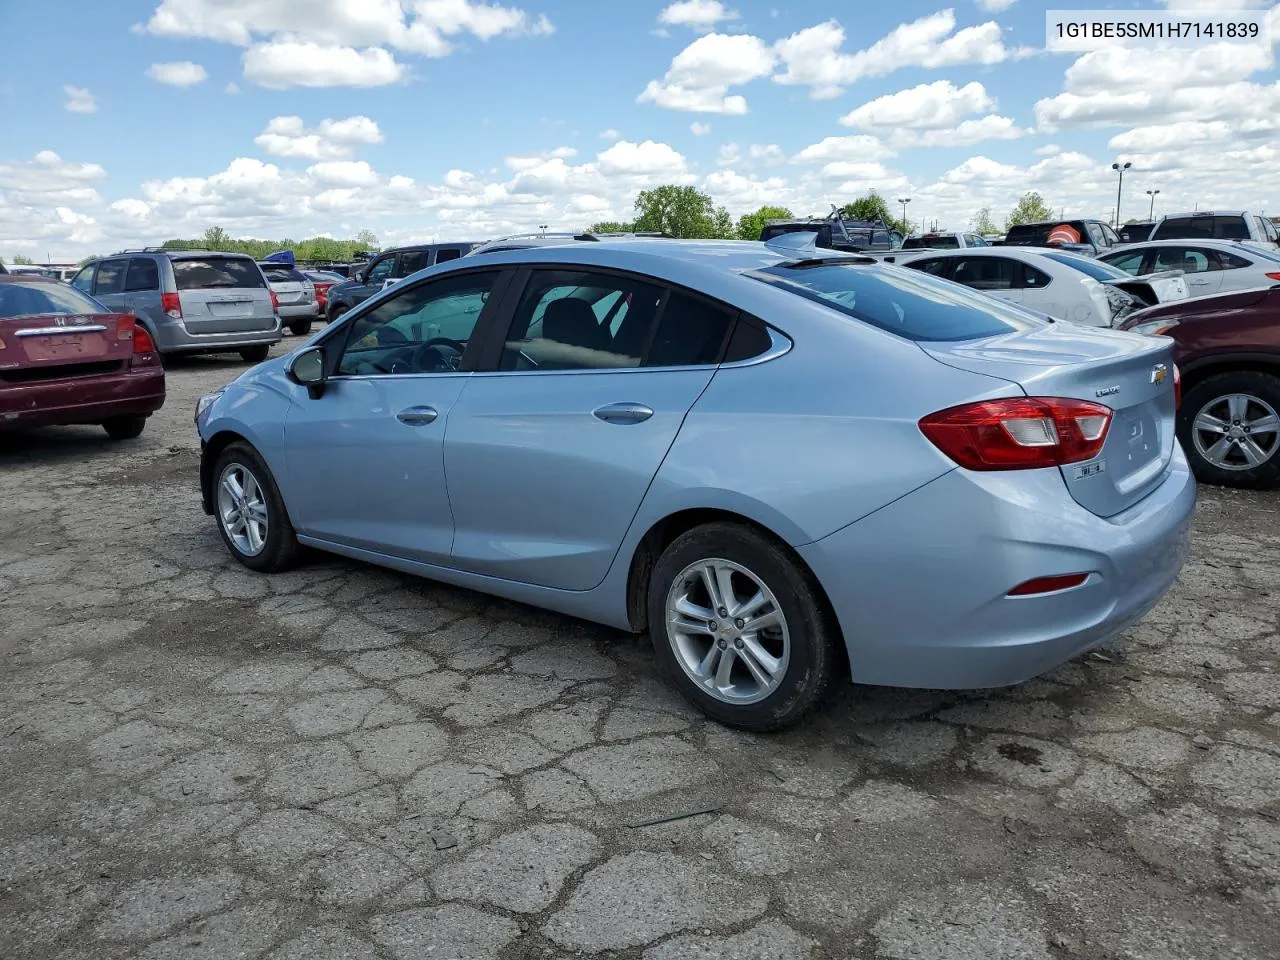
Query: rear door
(49, 330)
(1201, 269)
(222, 294)
(108, 288)
(553, 445)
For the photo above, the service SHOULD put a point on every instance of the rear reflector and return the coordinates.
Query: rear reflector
(171, 305)
(1022, 433)
(1048, 584)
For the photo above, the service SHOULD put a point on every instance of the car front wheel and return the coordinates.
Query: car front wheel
(250, 512)
(1229, 426)
(740, 627)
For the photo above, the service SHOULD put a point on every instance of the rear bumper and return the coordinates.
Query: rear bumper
(299, 311)
(82, 399)
(920, 587)
(176, 338)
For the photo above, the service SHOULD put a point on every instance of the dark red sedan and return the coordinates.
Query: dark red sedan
(1227, 348)
(65, 358)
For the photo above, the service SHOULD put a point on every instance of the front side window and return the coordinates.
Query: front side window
(411, 261)
(381, 270)
(1109, 237)
(83, 281)
(424, 329)
(30, 299)
(111, 277)
(571, 320)
(143, 275)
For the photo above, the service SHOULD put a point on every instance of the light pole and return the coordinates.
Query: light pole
(1119, 187)
(543, 228)
(904, 201)
(1151, 213)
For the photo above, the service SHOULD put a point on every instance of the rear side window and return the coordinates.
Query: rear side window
(111, 276)
(411, 261)
(748, 341)
(903, 302)
(143, 275)
(690, 332)
(934, 266)
(29, 299)
(447, 253)
(986, 273)
(1230, 261)
(216, 273)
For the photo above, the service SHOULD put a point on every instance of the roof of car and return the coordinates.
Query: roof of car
(1206, 213)
(27, 278)
(1184, 241)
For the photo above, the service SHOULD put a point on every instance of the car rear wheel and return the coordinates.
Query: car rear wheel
(1229, 426)
(255, 354)
(300, 328)
(250, 512)
(336, 313)
(740, 627)
(124, 428)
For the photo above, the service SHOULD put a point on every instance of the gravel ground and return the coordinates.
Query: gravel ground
(342, 762)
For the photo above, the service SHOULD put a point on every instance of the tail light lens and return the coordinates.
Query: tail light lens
(171, 305)
(1023, 433)
(144, 347)
(1177, 387)
(275, 301)
(1273, 276)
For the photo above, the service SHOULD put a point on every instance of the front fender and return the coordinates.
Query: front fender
(254, 412)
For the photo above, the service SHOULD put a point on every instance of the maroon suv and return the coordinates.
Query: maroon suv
(1228, 351)
(65, 358)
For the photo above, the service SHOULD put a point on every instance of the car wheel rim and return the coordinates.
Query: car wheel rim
(727, 631)
(1237, 431)
(242, 510)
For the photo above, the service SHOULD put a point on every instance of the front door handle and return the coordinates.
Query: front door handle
(623, 413)
(416, 416)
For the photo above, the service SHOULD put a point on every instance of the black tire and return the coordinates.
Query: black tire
(813, 636)
(300, 328)
(255, 354)
(1212, 392)
(336, 313)
(280, 550)
(124, 428)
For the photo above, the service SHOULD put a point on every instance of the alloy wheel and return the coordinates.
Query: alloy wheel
(1236, 431)
(242, 509)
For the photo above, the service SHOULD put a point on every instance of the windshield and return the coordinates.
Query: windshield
(942, 242)
(204, 273)
(31, 299)
(905, 302)
(1093, 268)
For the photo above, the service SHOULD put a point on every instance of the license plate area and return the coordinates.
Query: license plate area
(233, 309)
(65, 348)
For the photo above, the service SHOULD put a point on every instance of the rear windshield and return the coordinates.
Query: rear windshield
(31, 299)
(945, 242)
(905, 302)
(1092, 268)
(216, 273)
(1037, 234)
(1190, 228)
(283, 274)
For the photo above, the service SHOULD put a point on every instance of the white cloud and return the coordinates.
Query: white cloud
(812, 56)
(995, 6)
(332, 139)
(701, 74)
(183, 73)
(642, 159)
(699, 129)
(964, 134)
(696, 14)
(47, 178)
(343, 173)
(231, 87)
(536, 160)
(326, 43)
(610, 134)
(79, 100)
(854, 147)
(929, 106)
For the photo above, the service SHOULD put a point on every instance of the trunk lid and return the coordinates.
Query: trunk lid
(1130, 373)
(223, 294)
(45, 346)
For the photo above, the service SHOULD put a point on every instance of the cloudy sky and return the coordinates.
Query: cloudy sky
(134, 121)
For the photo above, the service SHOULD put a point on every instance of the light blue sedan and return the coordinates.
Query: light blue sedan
(784, 463)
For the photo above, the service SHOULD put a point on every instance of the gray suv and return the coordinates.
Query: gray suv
(190, 301)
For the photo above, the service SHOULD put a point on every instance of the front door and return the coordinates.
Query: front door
(550, 454)
(366, 458)
(109, 286)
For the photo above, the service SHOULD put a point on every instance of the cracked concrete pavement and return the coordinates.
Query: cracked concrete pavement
(197, 761)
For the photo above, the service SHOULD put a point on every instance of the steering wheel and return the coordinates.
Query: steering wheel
(429, 356)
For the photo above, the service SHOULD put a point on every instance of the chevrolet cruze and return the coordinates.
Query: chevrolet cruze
(784, 463)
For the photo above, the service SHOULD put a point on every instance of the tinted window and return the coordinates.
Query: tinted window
(380, 270)
(569, 320)
(936, 266)
(423, 329)
(904, 302)
(1230, 261)
(447, 253)
(111, 277)
(1108, 235)
(948, 242)
(284, 274)
(411, 261)
(1033, 279)
(1181, 258)
(1093, 268)
(690, 332)
(83, 280)
(1130, 263)
(748, 341)
(143, 275)
(216, 273)
(1206, 228)
(30, 299)
(985, 273)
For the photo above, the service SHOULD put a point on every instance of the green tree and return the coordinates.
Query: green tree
(367, 240)
(683, 212)
(215, 238)
(982, 222)
(21, 261)
(751, 225)
(1031, 208)
(875, 207)
(611, 226)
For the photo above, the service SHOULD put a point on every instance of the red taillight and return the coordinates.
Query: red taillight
(1019, 434)
(143, 345)
(1048, 584)
(1177, 387)
(275, 301)
(1273, 276)
(171, 305)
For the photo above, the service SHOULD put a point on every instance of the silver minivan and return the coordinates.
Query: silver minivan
(191, 301)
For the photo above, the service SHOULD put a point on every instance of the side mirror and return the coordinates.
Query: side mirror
(389, 282)
(358, 276)
(308, 369)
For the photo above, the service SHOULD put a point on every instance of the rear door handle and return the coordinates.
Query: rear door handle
(416, 416)
(623, 413)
